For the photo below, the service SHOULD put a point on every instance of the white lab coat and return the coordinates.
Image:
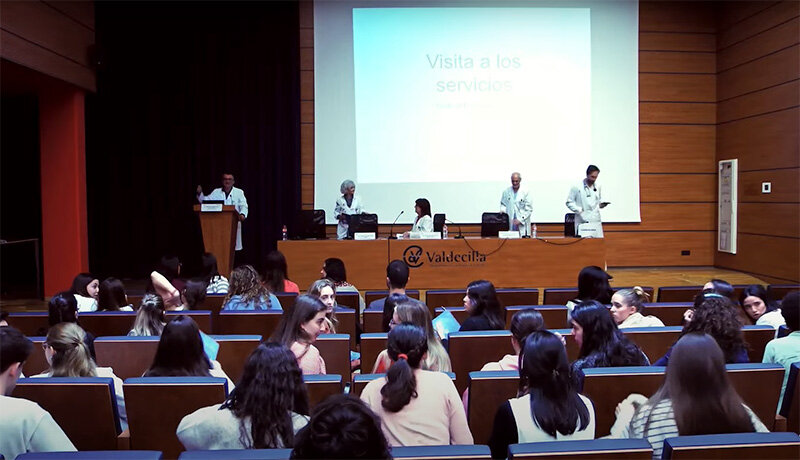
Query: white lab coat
(517, 206)
(236, 198)
(356, 207)
(585, 201)
(423, 224)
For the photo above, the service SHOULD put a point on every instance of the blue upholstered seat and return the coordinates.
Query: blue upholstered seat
(243, 454)
(734, 445)
(612, 448)
(94, 455)
(458, 452)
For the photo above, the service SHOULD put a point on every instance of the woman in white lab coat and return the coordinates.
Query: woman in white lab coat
(424, 221)
(347, 204)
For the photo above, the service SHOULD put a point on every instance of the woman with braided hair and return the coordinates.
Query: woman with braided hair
(416, 407)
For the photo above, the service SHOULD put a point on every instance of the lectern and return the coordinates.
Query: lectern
(219, 224)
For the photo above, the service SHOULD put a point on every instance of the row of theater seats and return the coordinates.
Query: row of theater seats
(84, 407)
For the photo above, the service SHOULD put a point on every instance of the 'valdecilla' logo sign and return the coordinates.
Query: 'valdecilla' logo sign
(413, 256)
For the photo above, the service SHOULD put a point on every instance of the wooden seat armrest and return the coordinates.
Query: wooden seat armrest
(124, 440)
(780, 423)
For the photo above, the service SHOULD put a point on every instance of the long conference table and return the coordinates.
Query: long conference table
(449, 263)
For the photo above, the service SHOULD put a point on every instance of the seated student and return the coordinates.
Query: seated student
(334, 270)
(389, 306)
(760, 308)
(276, 277)
(550, 408)
(217, 284)
(299, 329)
(24, 425)
(396, 281)
(68, 356)
(717, 286)
(190, 297)
(414, 312)
(523, 323)
(786, 350)
(63, 308)
(84, 288)
(180, 353)
(601, 343)
(323, 289)
(150, 318)
(343, 427)
(485, 311)
(628, 310)
(416, 407)
(247, 293)
(111, 296)
(592, 285)
(696, 398)
(264, 411)
(716, 316)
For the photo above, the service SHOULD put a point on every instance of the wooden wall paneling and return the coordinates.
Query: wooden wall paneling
(307, 112)
(677, 62)
(306, 14)
(306, 85)
(307, 148)
(700, 113)
(79, 11)
(760, 102)
(773, 69)
(762, 142)
(676, 188)
(785, 186)
(307, 189)
(306, 38)
(732, 12)
(27, 54)
(695, 17)
(677, 88)
(659, 248)
(754, 24)
(671, 216)
(776, 38)
(767, 255)
(306, 58)
(776, 219)
(661, 41)
(669, 148)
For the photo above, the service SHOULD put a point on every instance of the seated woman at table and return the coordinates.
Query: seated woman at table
(299, 329)
(717, 316)
(68, 356)
(600, 343)
(247, 293)
(760, 308)
(111, 296)
(483, 306)
(423, 222)
(627, 308)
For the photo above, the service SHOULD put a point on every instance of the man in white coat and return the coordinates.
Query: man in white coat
(230, 195)
(586, 199)
(516, 202)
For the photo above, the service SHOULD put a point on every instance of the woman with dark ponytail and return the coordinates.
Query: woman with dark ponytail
(549, 408)
(416, 407)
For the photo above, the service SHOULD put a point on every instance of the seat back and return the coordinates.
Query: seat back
(559, 296)
(348, 324)
(322, 386)
(790, 408)
(201, 317)
(435, 298)
(249, 322)
(104, 323)
(234, 351)
(213, 303)
(371, 346)
(348, 300)
(287, 300)
(670, 313)
(156, 406)
(94, 455)
(493, 223)
(569, 225)
(371, 296)
(36, 362)
(654, 341)
(733, 446)
(438, 222)
(308, 224)
(469, 351)
(128, 356)
(608, 386)
(460, 452)
(757, 338)
(759, 385)
(30, 322)
(373, 321)
(459, 313)
(487, 391)
(240, 454)
(509, 297)
(84, 407)
(779, 291)
(335, 350)
(629, 449)
(554, 316)
(678, 293)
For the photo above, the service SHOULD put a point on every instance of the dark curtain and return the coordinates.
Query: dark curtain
(187, 91)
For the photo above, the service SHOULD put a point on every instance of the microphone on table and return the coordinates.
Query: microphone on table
(460, 236)
(391, 233)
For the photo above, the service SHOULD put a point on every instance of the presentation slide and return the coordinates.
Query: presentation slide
(445, 102)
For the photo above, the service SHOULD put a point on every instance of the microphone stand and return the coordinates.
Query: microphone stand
(392, 236)
(460, 236)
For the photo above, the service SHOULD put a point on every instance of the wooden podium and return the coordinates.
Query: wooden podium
(219, 234)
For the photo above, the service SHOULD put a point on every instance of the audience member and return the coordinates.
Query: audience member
(592, 285)
(299, 329)
(550, 408)
(600, 342)
(68, 356)
(485, 311)
(264, 411)
(247, 293)
(416, 407)
(111, 296)
(24, 426)
(180, 353)
(323, 289)
(696, 398)
(786, 350)
(150, 318)
(414, 312)
(63, 308)
(217, 284)
(4, 318)
(391, 302)
(523, 322)
(276, 275)
(396, 281)
(342, 427)
(719, 286)
(84, 288)
(627, 308)
(334, 270)
(715, 315)
(193, 295)
(760, 308)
